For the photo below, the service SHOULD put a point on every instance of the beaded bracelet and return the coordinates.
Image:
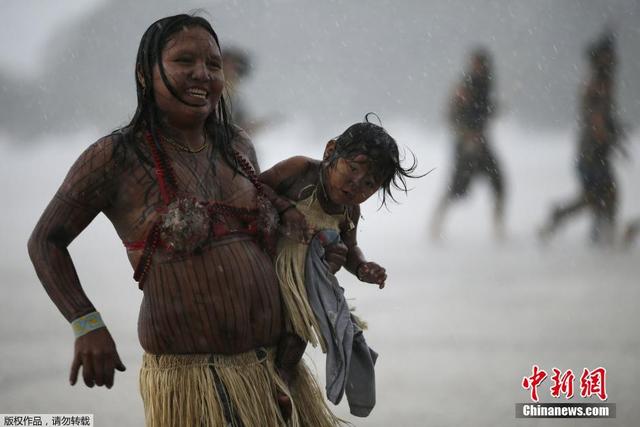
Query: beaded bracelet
(87, 323)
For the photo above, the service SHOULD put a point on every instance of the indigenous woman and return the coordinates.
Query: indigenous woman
(179, 185)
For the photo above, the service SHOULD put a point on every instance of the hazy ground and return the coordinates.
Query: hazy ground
(458, 326)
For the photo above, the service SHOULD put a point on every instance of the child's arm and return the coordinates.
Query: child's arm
(356, 263)
(281, 178)
(282, 175)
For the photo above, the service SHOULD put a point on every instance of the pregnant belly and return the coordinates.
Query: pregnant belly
(224, 300)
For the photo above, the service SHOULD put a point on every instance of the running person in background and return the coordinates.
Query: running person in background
(179, 185)
(600, 134)
(237, 67)
(471, 108)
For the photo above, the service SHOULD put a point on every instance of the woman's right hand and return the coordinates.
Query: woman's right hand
(96, 353)
(294, 226)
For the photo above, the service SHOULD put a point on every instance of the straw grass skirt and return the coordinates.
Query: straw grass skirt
(202, 390)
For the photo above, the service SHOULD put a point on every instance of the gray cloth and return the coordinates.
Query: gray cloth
(350, 361)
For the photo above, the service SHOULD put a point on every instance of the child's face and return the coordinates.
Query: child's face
(350, 181)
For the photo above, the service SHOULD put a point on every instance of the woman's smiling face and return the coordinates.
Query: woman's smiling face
(192, 64)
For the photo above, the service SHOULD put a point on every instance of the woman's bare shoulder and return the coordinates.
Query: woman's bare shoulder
(241, 142)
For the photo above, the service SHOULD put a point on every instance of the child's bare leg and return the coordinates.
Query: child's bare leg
(290, 351)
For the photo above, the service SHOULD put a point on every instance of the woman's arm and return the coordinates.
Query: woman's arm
(87, 189)
(282, 178)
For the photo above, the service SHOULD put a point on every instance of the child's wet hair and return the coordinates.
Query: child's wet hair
(384, 157)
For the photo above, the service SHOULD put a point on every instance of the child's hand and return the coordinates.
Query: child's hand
(294, 226)
(371, 272)
(336, 256)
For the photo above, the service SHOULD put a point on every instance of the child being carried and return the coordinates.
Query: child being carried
(325, 197)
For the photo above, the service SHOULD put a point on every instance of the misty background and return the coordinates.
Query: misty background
(460, 322)
(67, 64)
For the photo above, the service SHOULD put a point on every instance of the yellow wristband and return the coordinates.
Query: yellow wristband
(87, 323)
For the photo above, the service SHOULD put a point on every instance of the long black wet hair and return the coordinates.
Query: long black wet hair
(147, 116)
(384, 157)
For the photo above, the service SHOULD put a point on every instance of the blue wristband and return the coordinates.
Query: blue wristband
(87, 323)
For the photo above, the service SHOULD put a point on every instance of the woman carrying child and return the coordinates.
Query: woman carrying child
(179, 185)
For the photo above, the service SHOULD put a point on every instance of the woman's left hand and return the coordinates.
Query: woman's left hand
(294, 226)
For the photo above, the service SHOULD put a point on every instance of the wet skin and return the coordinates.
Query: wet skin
(225, 298)
(344, 185)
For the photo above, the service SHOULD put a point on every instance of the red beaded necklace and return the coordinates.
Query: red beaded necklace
(164, 173)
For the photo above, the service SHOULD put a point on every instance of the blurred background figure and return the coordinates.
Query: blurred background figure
(235, 65)
(470, 110)
(237, 68)
(631, 233)
(600, 134)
